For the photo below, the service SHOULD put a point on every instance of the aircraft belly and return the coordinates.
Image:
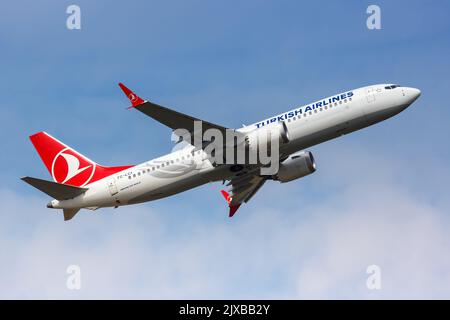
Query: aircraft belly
(167, 188)
(321, 130)
(156, 185)
(96, 196)
(383, 114)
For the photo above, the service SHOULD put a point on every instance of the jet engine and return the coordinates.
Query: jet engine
(256, 146)
(296, 166)
(263, 135)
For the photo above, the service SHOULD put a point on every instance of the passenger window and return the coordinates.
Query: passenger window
(350, 99)
(310, 113)
(315, 110)
(345, 101)
(340, 102)
(162, 165)
(134, 175)
(129, 177)
(320, 109)
(167, 163)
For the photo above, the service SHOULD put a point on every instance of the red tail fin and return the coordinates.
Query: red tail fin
(66, 165)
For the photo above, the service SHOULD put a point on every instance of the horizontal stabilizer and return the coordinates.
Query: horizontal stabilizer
(53, 189)
(69, 213)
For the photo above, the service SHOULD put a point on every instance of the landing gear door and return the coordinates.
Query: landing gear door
(370, 94)
(112, 187)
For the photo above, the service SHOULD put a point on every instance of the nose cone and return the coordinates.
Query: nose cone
(416, 93)
(413, 94)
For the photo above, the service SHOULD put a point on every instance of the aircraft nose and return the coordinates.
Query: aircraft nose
(413, 94)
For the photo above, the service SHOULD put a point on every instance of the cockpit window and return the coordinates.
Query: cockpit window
(392, 87)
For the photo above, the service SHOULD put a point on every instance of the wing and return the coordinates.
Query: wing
(171, 118)
(243, 188)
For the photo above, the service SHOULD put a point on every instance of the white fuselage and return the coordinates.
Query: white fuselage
(186, 169)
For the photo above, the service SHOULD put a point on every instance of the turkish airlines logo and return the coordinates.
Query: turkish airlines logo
(132, 97)
(69, 168)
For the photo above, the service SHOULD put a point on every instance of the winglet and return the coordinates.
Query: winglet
(233, 210)
(228, 198)
(226, 195)
(134, 98)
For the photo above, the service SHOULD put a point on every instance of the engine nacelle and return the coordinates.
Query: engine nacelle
(261, 135)
(296, 166)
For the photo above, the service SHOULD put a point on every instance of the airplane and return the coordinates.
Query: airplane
(79, 182)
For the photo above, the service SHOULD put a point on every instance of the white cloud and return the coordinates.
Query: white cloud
(316, 248)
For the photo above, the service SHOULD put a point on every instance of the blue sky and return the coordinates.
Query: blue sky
(380, 195)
